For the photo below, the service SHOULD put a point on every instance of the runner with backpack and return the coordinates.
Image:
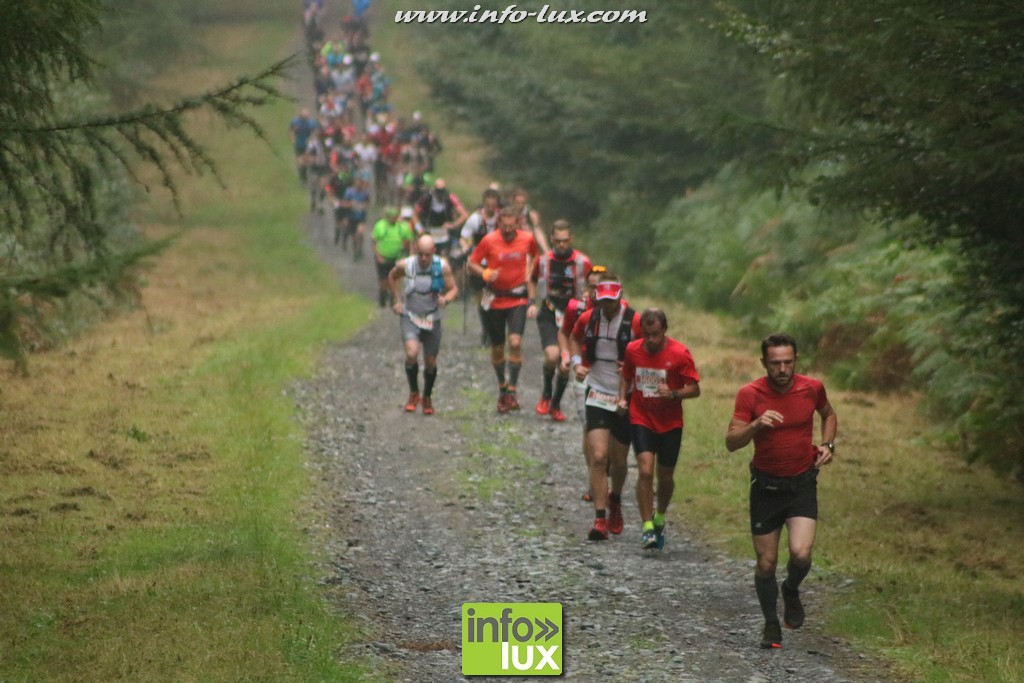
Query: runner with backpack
(429, 287)
(598, 345)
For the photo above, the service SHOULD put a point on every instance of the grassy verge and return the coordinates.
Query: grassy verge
(152, 470)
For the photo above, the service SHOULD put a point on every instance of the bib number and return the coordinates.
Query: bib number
(599, 399)
(422, 322)
(649, 379)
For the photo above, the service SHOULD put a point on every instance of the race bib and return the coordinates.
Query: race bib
(423, 322)
(599, 399)
(648, 380)
(559, 317)
(487, 300)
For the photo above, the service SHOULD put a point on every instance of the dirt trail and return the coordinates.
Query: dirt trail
(421, 514)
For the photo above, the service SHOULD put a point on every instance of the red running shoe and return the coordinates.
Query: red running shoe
(543, 405)
(615, 522)
(510, 400)
(428, 406)
(599, 532)
(557, 415)
(503, 402)
(414, 400)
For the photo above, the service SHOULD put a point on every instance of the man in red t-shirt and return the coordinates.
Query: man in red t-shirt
(661, 374)
(776, 412)
(508, 291)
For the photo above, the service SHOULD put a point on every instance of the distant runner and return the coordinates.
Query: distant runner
(391, 238)
(560, 276)
(429, 287)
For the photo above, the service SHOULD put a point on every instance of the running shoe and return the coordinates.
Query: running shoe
(648, 540)
(428, 406)
(792, 609)
(503, 402)
(543, 405)
(615, 522)
(586, 497)
(659, 533)
(414, 400)
(557, 415)
(771, 638)
(599, 532)
(510, 400)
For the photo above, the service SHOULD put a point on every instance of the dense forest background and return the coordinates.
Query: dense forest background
(848, 171)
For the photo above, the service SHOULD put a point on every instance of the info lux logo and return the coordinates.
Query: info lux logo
(511, 639)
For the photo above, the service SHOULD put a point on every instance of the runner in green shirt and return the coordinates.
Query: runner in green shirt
(391, 238)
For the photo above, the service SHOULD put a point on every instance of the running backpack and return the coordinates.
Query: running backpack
(622, 337)
(436, 274)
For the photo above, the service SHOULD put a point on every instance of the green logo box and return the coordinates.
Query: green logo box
(511, 639)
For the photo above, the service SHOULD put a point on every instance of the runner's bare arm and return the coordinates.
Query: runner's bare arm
(396, 274)
(451, 289)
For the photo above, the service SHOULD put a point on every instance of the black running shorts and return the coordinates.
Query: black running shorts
(773, 500)
(547, 327)
(665, 446)
(496, 321)
(599, 418)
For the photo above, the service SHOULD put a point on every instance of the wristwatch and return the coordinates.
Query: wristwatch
(830, 446)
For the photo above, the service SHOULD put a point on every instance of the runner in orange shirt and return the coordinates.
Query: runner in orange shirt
(510, 254)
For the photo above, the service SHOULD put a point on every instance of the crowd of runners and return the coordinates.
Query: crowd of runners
(625, 377)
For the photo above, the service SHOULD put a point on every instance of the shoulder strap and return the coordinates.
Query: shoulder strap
(625, 334)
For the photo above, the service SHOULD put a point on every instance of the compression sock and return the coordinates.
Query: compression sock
(513, 372)
(614, 497)
(795, 574)
(659, 519)
(412, 373)
(768, 596)
(429, 375)
(600, 514)
(499, 372)
(549, 376)
(560, 385)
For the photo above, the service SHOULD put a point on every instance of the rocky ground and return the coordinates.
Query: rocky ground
(421, 514)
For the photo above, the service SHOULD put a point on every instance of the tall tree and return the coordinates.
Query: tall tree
(914, 109)
(60, 160)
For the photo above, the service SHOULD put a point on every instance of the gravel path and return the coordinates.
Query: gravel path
(420, 514)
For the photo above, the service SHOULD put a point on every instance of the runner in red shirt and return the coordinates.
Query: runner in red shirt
(661, 374)
(510, 254)
(776, 412)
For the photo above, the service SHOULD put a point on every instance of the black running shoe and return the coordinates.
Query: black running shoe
(771, 638)
(793, 610)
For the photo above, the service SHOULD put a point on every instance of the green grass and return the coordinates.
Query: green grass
(154, 526)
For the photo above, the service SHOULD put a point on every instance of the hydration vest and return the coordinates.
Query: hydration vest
(623, 336)
(436, 274)
(556, 276)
